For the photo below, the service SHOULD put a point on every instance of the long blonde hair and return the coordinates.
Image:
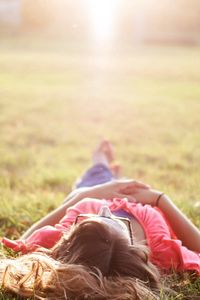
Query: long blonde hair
(89, 263)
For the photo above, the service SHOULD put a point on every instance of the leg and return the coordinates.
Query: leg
(101, 171)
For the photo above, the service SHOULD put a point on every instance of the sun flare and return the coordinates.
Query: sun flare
(102, 17)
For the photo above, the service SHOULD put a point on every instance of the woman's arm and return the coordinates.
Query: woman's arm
(181, 225)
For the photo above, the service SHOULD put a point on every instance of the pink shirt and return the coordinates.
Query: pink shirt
(166, 250)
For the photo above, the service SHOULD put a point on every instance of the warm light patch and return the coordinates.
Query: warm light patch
(102, 15)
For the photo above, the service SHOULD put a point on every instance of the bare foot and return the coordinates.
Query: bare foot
(116, 170)
(104, 153)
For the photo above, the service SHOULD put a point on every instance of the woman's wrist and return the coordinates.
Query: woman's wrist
(164, 202)
(159, 199)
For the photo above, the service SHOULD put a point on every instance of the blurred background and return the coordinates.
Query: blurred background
(135, 21)
(74, 72)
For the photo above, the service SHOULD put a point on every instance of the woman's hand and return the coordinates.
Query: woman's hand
(117, 189)
(146, 196)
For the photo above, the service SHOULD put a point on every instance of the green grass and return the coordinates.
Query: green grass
(57, 100)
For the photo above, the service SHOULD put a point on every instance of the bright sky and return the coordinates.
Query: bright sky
(102, 17)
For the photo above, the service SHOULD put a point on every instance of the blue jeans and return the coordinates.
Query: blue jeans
(97, 174)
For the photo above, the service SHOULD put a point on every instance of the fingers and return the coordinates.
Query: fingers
(131, 183)
(142, 185)
(131, 187)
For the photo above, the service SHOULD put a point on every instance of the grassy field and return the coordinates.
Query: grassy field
(58, 100)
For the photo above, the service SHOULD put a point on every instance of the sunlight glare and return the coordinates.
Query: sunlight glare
(102, 15)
